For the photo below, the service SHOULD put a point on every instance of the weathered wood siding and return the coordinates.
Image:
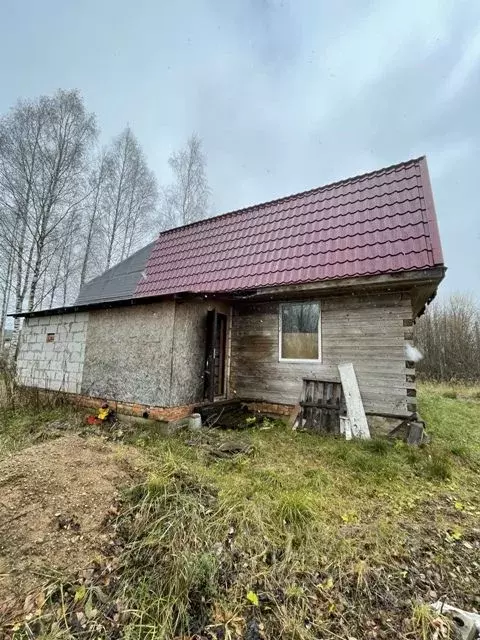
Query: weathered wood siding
(368, 331)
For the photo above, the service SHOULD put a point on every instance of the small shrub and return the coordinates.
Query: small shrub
(424, 621)
(203, 575)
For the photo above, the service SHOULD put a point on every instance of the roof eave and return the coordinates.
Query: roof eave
(403, 279)
(90, 306)
(397, 280)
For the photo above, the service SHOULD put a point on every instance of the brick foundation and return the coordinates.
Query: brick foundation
(128, 408)
(135, 409)
(275, 409)
(167, 414)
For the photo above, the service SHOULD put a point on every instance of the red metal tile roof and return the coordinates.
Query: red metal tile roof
(377, 223)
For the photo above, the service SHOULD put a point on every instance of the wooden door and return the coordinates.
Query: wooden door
(215, 361)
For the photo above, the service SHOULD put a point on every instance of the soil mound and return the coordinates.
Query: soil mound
(54, 498)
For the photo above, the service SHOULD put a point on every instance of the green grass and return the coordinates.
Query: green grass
(307, 537)
(23, 427)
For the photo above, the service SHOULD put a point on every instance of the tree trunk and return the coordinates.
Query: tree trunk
(36, 274)
(7, 290)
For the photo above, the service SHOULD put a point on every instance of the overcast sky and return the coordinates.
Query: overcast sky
(287, 95)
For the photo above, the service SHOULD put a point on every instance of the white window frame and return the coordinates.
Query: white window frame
(319, 332)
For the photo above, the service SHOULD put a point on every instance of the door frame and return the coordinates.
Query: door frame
(211, 379)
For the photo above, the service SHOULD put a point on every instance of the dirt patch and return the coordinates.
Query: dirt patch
(54, 498)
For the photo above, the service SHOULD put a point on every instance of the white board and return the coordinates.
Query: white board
(353, 399)
(345, 428)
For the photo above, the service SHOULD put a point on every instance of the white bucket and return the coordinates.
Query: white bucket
(195, 422)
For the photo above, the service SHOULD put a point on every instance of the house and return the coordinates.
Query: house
(249, 303)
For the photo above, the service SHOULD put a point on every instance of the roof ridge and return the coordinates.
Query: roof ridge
(329, 185)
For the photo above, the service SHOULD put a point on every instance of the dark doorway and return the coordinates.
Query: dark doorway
(215, 355)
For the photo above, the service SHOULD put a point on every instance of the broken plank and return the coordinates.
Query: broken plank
(355, 410)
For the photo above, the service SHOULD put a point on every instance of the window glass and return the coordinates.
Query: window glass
(299, 333)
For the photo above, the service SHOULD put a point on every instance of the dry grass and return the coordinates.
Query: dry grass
(307, 537)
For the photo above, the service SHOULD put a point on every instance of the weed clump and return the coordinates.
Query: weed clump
(438, 467)
(296, 510)
(450, 394)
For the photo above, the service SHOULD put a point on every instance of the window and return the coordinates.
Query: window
(300, 331)
(50, 337)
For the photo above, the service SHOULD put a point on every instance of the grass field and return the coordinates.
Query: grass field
(306, 537)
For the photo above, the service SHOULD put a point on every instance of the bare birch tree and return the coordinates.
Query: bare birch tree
(7, 262)
(93, 212)
(187, 198)
(129, 198)
(64, 145)
(19, 143)
(44, 145)
(64, 213)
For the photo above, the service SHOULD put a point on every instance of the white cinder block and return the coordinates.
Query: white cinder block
(57, 364)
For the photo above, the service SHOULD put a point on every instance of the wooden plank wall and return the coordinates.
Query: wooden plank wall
(366, 330)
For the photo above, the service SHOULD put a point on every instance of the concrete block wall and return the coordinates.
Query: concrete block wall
(56, 365)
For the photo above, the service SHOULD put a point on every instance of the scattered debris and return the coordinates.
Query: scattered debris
(322, 403)
(105, 413)
(466, 625)
(228, 449)
(415, 433)
(295, 417)
(412, 354)
(345, 427)
(70, 523)
(233, 414)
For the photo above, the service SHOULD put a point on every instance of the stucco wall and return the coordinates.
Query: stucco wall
(151, 354)
(56, 365)
(366, 330)
(128, 354)
(189, 350)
